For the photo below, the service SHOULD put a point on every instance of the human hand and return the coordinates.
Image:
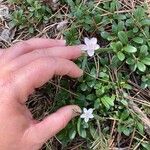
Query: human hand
(24, 67)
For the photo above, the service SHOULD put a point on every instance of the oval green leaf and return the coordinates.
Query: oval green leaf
(130, 49)
(121, 56)
(141, 66)
(138, 40)
(146, 61)
(123, 37)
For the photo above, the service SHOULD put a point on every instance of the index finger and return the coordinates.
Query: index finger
(39, 72)
(27, 46)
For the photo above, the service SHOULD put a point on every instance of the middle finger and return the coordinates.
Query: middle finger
(68, 52)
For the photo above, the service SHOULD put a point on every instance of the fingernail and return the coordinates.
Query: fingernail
(76, 111)
(63, 42)
(81, 47)
(81, 72)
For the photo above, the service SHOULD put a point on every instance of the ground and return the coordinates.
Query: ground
(116, 81)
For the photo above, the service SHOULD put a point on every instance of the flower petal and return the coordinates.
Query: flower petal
(83, 116)
(85, 110)
(83, 47)
(90, 52)
(87, 41)
(93, 41)
(86, 119)
(96, 46)
(90, 111)
(91, 116)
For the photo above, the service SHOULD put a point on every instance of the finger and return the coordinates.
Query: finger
(2, 51)
(69, 52)
(28, 46)
(40, 71)
(51, 125)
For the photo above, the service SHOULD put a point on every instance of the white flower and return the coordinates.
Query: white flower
(90, 45)
(87, 114)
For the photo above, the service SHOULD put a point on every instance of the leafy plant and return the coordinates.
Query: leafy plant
(30, 13)
(117, 74)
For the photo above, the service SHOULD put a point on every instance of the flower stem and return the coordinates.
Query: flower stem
(101, 50)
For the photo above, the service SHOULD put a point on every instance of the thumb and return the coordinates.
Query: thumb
(51, 125)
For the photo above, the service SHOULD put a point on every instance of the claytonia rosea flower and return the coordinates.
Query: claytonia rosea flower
(90, 46)
(87, 114)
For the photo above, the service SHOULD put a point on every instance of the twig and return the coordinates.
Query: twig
(143, 117)
(132, 137)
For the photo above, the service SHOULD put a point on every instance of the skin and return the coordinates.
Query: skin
(25, 66)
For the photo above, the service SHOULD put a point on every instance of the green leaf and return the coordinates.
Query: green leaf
(123, 37)
(116, 46)
(97, 104)
(121, 56)
(124, 129)
(83, 133)
(108, 101)
(141, 66)
(144, 49)
(113, 6)
(84, 62)
(119, 46)
(134, 67)
(115, 62)
(127, 131)
(113, 46)
(124, 115)
(72, 134)
(124, 102)
(130, 61)
(139, 13)
(145, 22)
(121, 26)
(105, 35)
(130, 22)
(71, 3)
(83, 86)
(78, 124)
(140, 127)
(127, 86)
(138, 40)
(91, 83)
(93, 132)
(146, 145)
(80, 129)
(130, 49)
(91, 97)
(146, 61)
(135, 30)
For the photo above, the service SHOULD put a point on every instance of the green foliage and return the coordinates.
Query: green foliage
(128, 41)
(29, 14)
(124, 54)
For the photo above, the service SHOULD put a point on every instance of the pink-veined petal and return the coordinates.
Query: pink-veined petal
(85, 110)
(90, 111)
(91, 116)
(86, 41)
(93, 41)
(83, 116)
(90, 52)
(96, 46)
